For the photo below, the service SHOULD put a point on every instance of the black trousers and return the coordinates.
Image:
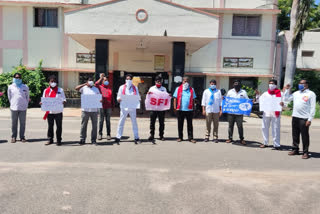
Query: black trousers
(58, 118)
(104, 115)
(233, 118)
(153, 118)
(299, 127)
(189, 116)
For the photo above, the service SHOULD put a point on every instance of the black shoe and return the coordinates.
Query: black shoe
(117, 141)
(206, 139)
(59, 143)
(216, 140)
(162, 138)
(94, 143)
(82, 142)
(136, 141)
(277, 148)
(151, 138)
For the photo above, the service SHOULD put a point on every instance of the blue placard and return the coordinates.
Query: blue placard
(236, 106)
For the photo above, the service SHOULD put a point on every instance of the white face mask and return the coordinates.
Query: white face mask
(90, 83)
(185, 86)
(272, 87)
(53, 84)
(129, 83)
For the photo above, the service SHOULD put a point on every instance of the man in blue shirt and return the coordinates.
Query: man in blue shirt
(184, 96)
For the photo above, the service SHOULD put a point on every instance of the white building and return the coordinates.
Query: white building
(205, 39)
(308, 56)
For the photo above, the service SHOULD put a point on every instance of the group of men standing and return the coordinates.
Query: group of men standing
(304, 102)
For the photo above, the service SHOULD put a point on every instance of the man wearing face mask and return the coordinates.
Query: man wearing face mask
(92, 113)
(154, 114)
(128, 89)
(105, 112)
(271, 118)
(304, 108)
(18, 95)
(184, 96)
(55, 92)
(211, 108)
(236, 92)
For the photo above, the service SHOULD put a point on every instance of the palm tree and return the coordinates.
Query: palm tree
(298, 19)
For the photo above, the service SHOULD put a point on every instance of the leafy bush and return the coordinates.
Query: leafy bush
(289, 112)
(251, 92)
(35, 80)
(313, 78)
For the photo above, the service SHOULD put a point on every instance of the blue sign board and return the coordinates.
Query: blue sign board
(236, 106)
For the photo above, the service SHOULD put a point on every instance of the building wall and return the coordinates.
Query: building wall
(119, 19)
(311, 42)
(259, 48)
(249, 4)
(46, 1)
(51, 44)
(11, 38)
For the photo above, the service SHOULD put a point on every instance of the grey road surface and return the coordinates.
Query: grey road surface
(166, 177)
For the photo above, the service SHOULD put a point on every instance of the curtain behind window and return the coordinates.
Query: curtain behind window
(52, 17)
(238, 25)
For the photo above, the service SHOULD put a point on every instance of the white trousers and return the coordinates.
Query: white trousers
(123, 116)
(275, 127)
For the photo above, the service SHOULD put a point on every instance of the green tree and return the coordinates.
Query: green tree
(299, 18)
(285, 6)
(35, 80)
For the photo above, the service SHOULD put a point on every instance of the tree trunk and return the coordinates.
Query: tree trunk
(292, 51)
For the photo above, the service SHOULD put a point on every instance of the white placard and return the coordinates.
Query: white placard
(91, 101)
(130, 101)
(52, 104)
(269, 104)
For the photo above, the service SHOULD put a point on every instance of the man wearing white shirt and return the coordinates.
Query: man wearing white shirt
(154, 114)
(236, 92)
(18, 95)
(128, 89)
(304, 108)
(92, 113)
(211, 108)
(55, 92)
(271, 118)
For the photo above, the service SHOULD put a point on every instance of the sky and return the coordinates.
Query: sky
(317, 1)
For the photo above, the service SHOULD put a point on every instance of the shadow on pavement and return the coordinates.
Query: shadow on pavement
(36, 140)
(250, 144)
(314, 154)
(3, 141)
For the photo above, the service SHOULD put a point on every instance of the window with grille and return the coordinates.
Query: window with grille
(246, 25)
(46, 17)
(83, 77)
(307, 53)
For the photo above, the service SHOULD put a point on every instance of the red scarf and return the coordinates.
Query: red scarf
(179, 96)
(277, 92)
(124, 89)
(48, 94)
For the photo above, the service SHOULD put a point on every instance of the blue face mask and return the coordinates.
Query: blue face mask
(106, 83)
(213, 87)
(301, 87)
(18, 82)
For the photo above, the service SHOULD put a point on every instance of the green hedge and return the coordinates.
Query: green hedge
(317, 115)
(35, 80)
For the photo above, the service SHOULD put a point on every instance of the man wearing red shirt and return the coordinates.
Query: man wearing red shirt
(107, 101)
